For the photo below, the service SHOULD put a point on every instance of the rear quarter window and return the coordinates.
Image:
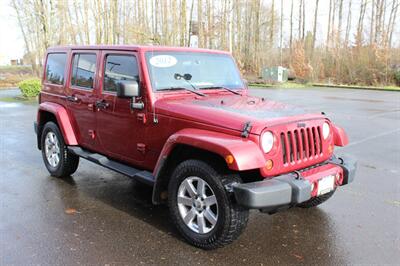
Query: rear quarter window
(83, 70)
(55, 68)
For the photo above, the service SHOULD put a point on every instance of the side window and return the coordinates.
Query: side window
(83, 70)
(55, 67)
(119, 67)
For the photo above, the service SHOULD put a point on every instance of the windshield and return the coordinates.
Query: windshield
(206, 70)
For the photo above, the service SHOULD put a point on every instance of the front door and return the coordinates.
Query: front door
(82, 95)
(120, 128)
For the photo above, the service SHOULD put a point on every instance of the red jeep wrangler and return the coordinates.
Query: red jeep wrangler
(181, 121)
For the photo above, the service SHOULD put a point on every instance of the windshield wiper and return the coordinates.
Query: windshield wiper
(181, 88)
(220, 87)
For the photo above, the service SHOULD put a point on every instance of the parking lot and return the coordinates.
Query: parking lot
(103, 218)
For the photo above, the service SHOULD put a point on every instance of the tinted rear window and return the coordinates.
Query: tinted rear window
(55, 67)
(83, 70)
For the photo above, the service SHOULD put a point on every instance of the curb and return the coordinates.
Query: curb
(327, 86)
(354, 87)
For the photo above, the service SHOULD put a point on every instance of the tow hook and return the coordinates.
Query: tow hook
(229, 187)
(298, 174)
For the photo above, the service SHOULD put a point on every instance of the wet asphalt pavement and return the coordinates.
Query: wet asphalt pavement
(99, 217)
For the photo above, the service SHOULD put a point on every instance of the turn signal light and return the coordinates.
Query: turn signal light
(229, 159)
(269, 165)
(330, 148)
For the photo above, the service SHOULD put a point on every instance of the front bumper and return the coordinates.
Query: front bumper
(289, 189)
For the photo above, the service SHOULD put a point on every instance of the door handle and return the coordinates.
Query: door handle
(72, 98)
(102, 104)
(141, 117)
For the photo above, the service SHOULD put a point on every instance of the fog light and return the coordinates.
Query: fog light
(269, 165)
(229, 159)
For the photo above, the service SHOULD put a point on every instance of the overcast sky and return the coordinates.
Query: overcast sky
(11, 43)
(12, 46)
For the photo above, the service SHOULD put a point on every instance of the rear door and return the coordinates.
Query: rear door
(82, 95)
(120, 128)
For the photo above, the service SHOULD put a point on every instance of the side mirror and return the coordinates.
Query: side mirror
(128, 89)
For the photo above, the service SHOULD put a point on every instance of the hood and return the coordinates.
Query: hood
(232, 111)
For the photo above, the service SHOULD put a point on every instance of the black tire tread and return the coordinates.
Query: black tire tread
(70, 161)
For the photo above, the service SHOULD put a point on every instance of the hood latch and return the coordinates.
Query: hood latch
(246, 129)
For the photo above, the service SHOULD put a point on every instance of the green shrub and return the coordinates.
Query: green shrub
(397, 77)
(30, 87)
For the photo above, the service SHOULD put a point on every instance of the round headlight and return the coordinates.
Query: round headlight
(326, 130)
(267, 141)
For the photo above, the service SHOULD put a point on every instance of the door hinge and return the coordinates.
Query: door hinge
(141, 147)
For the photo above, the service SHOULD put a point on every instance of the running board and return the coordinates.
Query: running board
(137, 174)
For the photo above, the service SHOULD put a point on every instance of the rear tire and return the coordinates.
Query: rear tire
(313, 202)
(227, 220)
(59, 161)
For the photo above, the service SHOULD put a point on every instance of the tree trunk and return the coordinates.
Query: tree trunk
(200, 22)
(315, 24)
(339, 33)
(360, 25)
(281, 33)
(329, 24)
(291, 28)
(31, 57)
(392, 21)
(183, 22)
(348, 25)
(190, 24)
(304, 20)
(300, 19)
(371, 31)
(271, 32)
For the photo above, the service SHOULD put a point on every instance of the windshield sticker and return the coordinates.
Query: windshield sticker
(163, 61)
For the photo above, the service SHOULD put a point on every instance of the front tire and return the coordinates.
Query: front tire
(201, 209)
(58, 160)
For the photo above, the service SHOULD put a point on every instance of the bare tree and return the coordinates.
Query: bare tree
(271, 33)
(315, 24)
(300, 32)
(329, 24)
(371, 31)
(281, 33)
(239, 26)
(392, 21)
(348, 24)
(360, 25)
(339, 33)
(303, 30)
(291, 27)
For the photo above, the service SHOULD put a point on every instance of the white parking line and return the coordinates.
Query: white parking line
(373, 137)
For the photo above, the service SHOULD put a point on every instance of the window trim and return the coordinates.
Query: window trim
(46, 81)
(72, 74)
(131, 54)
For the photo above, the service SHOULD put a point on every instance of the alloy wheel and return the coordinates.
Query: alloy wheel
(197, 205)
(52, 149)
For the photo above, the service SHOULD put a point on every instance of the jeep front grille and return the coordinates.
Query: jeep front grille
(301, 144)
